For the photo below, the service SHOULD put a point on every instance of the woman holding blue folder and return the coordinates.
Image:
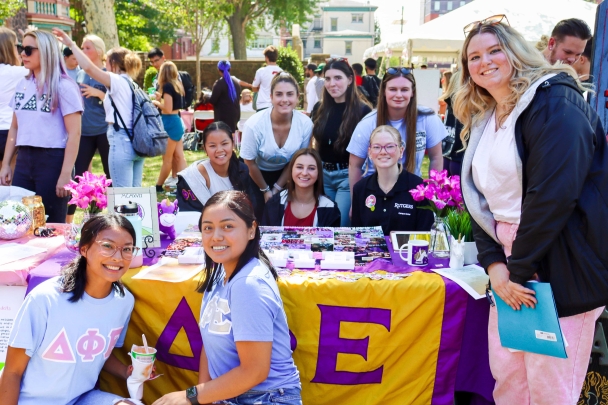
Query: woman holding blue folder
(535, 180)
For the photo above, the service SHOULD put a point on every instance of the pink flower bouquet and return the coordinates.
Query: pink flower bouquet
(442, 192)
(89, 193)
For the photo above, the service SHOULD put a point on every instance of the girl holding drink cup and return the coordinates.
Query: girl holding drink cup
(67, 327)
(247, 357)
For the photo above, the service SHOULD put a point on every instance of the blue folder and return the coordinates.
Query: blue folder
(534, 330)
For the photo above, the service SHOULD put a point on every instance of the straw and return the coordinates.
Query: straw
(145, 342)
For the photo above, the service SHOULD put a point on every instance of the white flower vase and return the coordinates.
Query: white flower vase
(470, 253)
(456, 253)
(439, 246)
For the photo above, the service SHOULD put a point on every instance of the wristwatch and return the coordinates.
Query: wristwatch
(191, 394)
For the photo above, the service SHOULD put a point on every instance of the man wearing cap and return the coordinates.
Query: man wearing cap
(320, 83)
(71, 63)
(310, 94)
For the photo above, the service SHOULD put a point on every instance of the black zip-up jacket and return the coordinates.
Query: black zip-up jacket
(563, 232)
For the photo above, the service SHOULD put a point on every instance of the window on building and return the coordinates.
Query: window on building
(304, 44)
(450, 6)
(348, 48)
(357, 18)
(317, 44)
(317, 24)
(334, 24)
(437, 6)
(261, 42)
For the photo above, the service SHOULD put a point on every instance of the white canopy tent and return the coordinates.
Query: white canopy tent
(443, 37)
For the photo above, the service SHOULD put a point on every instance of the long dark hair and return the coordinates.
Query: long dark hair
(318, 186)
(352, 113)
(237, 202)
(234, 171)
(411, 116)
(74, 275)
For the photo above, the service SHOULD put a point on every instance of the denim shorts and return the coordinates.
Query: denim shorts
(281, 396)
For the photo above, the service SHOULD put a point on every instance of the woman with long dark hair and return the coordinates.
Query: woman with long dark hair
(302, 203)
(535, 181)
(220, 171)
(421, 129)
(225, 97)
(47, 112)
(70, 324)
(335, 118)
(246, 356)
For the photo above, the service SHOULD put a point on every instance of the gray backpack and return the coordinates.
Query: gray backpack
(148, 135)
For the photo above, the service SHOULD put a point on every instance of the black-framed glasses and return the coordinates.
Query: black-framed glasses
(394, 71)
(27, 50)
(493, 20)
(389, 148)
(108, 249)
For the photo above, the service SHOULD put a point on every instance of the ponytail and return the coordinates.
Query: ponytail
(224, 67)
(126, 60)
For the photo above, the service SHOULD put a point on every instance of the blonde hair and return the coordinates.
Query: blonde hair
(471, 101)
(8, 53)
(452, 86)
(169, 74)
(392, 131)
(52, 66)
(98, 44)
(125, 60)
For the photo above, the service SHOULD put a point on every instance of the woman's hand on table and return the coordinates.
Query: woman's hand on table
(515, 295)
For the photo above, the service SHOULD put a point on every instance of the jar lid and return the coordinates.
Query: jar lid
(130, 208)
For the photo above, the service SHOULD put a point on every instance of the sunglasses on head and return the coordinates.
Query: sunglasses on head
(394, 71)
(330, 60)
(27, 50)
(494, 20)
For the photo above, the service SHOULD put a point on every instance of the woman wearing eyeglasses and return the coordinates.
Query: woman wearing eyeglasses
(535, 180)
(11, 72)
(335, 118)
(383, 199)
(273, 135)
(47, 108)
(420, 128)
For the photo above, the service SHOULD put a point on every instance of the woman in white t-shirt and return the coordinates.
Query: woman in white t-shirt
(122, 66)
(272, 136)
(11, 72)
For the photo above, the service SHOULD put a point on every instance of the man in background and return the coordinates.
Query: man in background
(71, 63)
(567, 42)
(371, 82)
(311, 93)
(358, 69)
(583, 64)
(320, 83)
(263, 77)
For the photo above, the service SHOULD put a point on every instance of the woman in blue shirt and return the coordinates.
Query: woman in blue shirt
(247, 353)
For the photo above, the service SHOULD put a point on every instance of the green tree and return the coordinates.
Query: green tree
(140, 27)
(242, 13)
(8, 8)
(377, 33)
(289, 61)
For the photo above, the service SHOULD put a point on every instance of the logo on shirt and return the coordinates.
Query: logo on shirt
(88, 346)
(404, 206)
(420, 141)
(18, 98)
(214, 316)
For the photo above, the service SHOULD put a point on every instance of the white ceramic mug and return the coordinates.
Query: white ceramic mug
(418, 252)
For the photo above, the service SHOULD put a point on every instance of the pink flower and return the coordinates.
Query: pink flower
(89, 189)
(418, 192)
(440, 204)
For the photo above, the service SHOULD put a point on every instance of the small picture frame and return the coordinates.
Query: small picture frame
(145, 198)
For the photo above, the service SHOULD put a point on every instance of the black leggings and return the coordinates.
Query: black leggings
(86, 151)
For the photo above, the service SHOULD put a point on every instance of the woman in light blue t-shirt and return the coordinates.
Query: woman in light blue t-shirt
(246, 357)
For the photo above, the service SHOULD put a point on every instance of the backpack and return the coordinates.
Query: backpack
(189, 89)
(148, 135)
(372, 85)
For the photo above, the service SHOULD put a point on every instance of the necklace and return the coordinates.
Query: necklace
(302, 204)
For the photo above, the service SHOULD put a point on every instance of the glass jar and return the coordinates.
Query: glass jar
(36, 208)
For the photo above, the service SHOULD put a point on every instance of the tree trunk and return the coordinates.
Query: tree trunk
(236, 22)
(99, 15)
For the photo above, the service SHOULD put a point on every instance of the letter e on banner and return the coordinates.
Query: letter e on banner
(331, 344)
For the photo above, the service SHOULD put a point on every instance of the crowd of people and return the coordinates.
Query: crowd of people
(530, 150)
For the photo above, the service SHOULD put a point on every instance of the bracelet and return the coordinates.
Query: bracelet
(265, 190)
(277, 187)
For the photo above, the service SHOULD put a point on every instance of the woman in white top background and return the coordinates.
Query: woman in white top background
(122, 66)
(273, 135)
(11, 72)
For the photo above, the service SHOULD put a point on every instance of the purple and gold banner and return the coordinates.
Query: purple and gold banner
(361, 342)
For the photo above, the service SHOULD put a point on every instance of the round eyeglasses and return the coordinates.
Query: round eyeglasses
(108, 249)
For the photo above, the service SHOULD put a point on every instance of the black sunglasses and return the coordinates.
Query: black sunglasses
(27, 50)
(494, 20)
(19, 48)
(394, 71)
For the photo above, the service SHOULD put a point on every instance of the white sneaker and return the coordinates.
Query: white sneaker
(171, 182)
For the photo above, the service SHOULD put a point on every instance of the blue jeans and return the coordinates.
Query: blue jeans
(38, 170)
(337, 189)
(126, 167)
(97, 397)
(287, 396)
